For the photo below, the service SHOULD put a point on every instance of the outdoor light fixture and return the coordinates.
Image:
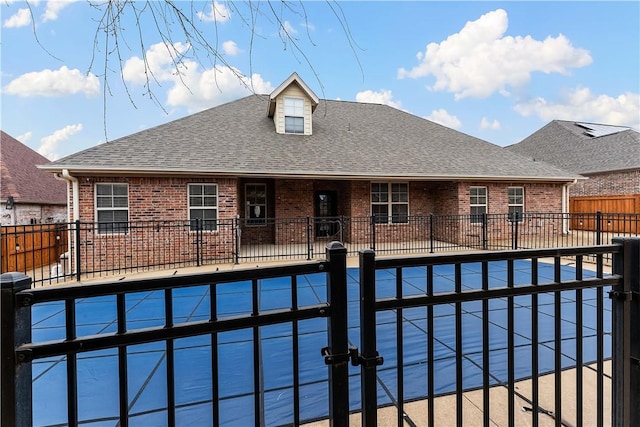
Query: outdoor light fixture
(10, 203)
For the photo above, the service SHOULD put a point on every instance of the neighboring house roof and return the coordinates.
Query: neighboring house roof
(583, 148)
(22, 180)
(350, 141)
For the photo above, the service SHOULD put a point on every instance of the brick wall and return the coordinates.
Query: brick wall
(608, 184)
(160, 234)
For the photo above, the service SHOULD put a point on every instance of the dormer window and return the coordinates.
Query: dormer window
(293, 115)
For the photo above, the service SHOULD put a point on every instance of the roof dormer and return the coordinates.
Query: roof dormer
(291, 105)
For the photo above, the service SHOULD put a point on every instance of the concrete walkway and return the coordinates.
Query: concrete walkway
(416, 413)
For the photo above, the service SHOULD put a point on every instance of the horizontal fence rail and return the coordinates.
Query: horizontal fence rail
(78, 250)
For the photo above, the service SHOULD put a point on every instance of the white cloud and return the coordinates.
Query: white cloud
(25, 137)
(583, 105)
(287, 30)
(230, 48)
(442, 117)
(20, 19)
(50, 144)
(193, 88)
(481, 60)
(159, 62)
(383, 97)
(218, 13)
(52, 83)
(213, 87)
(53, 9)
(488, 124)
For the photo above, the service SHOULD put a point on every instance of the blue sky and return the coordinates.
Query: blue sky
(495, 70)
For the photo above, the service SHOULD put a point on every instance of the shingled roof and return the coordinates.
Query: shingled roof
(22, 180)
(350, 141)
(583, 148)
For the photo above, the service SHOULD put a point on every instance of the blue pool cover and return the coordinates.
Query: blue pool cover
(97, 386)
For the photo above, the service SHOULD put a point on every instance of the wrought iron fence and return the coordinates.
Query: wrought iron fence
(385, 303)
(87, 250)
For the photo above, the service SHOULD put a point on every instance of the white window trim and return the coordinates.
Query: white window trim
(259, 221)
(293, 113)
(389, 203)
(204, 207)
(510, 205)
(472, 205)
(98, 209)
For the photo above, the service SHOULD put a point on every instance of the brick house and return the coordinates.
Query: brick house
(28, 195)
(609, 156)
(271, 161)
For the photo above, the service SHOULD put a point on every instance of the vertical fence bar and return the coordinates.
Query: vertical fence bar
(171, 396)
(598, 227)
(72, 366)
(78, 262)
(309, 248)
(215, 393)
(123, 394)
(557, 346)
(338, 358)
(485, 347)
(237, 235)
(295, 348)
(431, 238)
(458, 338)
(626, 334)
(373, 232)
(369, 386)
(511, 343)
(15, 403)
(485, 240)
(430, 352)
(579, 338)
(534, 345)
(399, 350)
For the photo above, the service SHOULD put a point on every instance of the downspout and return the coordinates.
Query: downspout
(75, 204)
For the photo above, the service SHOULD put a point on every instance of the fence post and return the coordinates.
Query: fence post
(237, 234)
(598, 227)
(309, 249)
(373, 232)
(485, 224)
(336, 355)
(431, 216)
(368, 358)
(78, 252)
(514, 221)
(626, 334)
(15, 406)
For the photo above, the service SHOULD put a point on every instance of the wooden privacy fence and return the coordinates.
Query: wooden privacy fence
(625, 220)
(27, 247)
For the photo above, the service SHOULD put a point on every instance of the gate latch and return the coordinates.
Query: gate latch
(353, 355)
(331, 359)
(367, 362)
(620, 295)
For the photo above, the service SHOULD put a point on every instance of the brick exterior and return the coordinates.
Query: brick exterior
(162, 203)
(608, 184)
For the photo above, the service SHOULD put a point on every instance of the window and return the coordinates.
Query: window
(294, 115)
(203, 206)
(256, 202)
(516, 203)
(112, 208)
(478, 203)
(392, 207)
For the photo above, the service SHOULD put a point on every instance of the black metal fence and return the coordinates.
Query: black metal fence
(87, 250)
(561, 297)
